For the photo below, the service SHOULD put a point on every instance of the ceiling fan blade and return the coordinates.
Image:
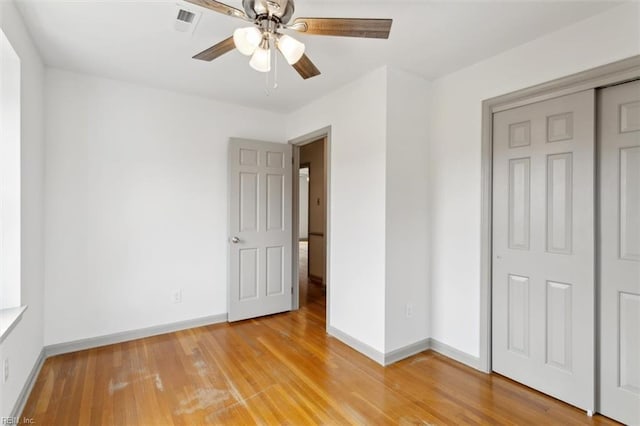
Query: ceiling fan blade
(216, 50)
(344, 27)
(220, 8)
(306, 68)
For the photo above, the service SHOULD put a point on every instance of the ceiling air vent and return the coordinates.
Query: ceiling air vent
(186, 20)
(186, 16)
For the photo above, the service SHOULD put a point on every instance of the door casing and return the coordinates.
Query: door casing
(298, 142)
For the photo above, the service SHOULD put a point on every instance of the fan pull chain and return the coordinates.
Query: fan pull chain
(274, 60)
(275, 66)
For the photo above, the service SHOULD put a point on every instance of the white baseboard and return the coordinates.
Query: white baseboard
(389, 358)
(455, 354)
(356, 344)
(28, 386)
(125, 336)
(406, 351)
(383, 359)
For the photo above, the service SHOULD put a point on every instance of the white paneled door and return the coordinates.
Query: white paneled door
(619, 148)
(543, 247)
(260, 229)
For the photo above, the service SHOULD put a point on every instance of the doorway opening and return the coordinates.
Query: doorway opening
(310, 227)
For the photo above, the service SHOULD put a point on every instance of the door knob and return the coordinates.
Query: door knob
(235, 240)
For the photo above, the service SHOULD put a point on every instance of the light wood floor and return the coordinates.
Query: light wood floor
(281, 369)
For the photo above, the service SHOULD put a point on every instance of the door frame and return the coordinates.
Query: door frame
(297, 143)
(596, 78)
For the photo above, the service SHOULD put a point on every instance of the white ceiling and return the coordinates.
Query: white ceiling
(135, 41)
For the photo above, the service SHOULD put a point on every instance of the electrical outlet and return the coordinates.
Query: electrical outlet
(177, 296)
(409, 310)
(5, 370)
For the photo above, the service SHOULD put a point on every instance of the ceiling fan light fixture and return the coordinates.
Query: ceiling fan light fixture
(268, 18)
(261, 59)
(247, 40)
(291, 49)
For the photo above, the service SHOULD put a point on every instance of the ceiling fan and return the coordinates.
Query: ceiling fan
(268, 18)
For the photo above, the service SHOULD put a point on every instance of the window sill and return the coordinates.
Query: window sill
(8, 319)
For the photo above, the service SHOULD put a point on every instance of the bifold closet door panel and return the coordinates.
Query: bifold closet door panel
(543, 303)
(619, 159)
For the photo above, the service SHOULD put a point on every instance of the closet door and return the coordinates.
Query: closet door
(543, 247)
(619, 146)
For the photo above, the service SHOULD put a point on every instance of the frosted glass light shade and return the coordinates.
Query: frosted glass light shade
(291, 49)
(261, 60)
(247, 39)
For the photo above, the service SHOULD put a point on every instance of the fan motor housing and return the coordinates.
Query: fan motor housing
(280, 9)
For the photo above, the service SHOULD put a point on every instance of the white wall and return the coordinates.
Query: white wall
(24, 343)
(136, 184)
(455, 158)
(9, 175)
(137, 206)
(357, 116)
(407, 211)
(378, 205)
